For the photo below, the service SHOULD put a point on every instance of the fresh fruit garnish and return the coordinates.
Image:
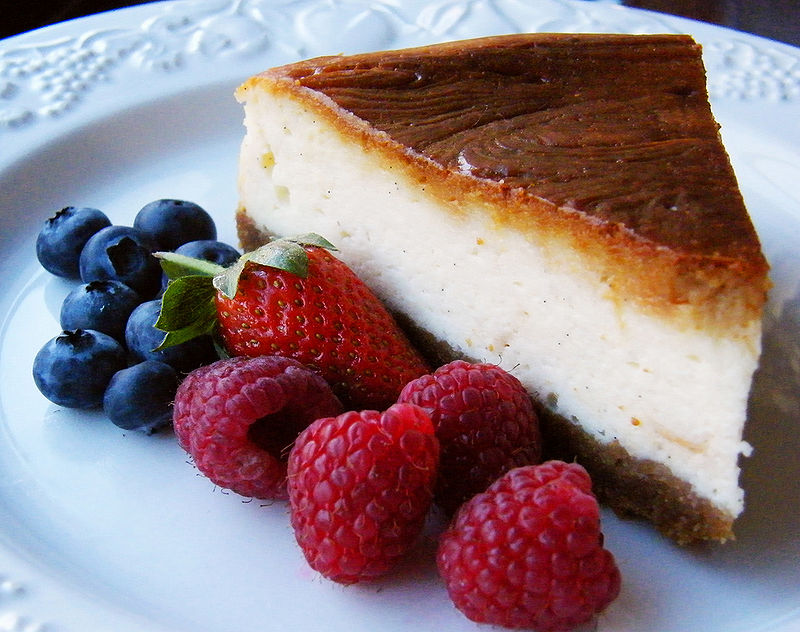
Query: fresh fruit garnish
(528, 552)
(239, 417)
(100, 305)
(140, 397)
(120, 276)
(74, 368)
(143, 339)
(485, 423)
(124, 254)
(63, 236)
(171, 223)
(360, 486)
(291, 297)
(210, 250)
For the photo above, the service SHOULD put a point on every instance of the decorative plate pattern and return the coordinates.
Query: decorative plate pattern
(42, 77)
(11, 593)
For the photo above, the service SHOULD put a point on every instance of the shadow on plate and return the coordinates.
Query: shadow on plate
(769, 529)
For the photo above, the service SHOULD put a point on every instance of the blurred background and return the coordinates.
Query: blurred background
(776, 19)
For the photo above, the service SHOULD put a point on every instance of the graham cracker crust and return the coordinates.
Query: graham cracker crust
(636, 488)
(633, 488)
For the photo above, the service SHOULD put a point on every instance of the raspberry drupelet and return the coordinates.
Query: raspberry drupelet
(485, 423)
(360, 486)
(239, 417)
(528, 552)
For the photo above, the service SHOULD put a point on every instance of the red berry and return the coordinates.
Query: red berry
(327, 319)
(485, 423)
(238, 418)
(360, 486)
(528, 552)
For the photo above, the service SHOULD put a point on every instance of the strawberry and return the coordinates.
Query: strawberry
(293, 298)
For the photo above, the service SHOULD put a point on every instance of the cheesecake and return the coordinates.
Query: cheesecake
(560, 205)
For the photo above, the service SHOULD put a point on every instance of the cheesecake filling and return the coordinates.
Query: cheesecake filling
(666, 393)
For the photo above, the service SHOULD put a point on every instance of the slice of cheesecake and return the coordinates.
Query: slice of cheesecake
(561, 205)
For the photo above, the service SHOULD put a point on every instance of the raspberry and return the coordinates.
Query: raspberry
(528, 552)
(485, 423)
(360, 486)
(238, 418)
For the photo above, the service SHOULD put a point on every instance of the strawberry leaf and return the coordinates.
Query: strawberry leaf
(187, 310)
(312, 239)
(227, 281)
(199, 328)
(283, 254)
(186, 300)
(176, 265)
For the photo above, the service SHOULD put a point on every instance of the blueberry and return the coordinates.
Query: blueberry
(140, 397)
(142, 338)
(100, 305)
(74, 368)
(210, 250)
(124, 254)
(63, 236)
(171, 223)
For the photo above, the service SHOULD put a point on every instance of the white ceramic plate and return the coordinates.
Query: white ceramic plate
(107, 530)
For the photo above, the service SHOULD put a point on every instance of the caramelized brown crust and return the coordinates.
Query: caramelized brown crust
(600, 145)
(250, 237)
(636, 488)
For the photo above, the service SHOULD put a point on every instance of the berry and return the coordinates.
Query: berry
(292, 298)
(122, 254)
(140, 397)
(485, 423)
(238, 418)
(210, 250)
(142, 338)
(217, 252)
(328, 320)
(100, 305)
(63, 236)
(360, 486)
(171, 223)
(528, 552)
(74, 368)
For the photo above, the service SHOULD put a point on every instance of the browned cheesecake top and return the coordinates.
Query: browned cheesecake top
(615, 130)
(617, 127)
